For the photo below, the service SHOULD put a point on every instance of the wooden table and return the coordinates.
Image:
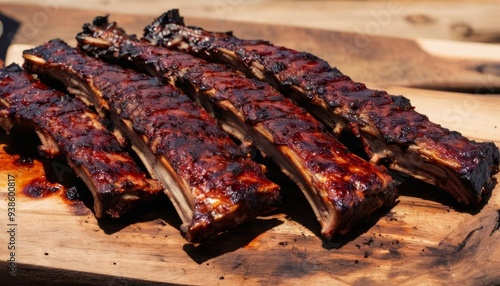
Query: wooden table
(425, 239)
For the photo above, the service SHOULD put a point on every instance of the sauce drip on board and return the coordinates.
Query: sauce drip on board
(38, 177)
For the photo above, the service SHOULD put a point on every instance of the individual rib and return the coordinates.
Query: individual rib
(390, 130)
(341, 187)
(212, 183)
(66, 126)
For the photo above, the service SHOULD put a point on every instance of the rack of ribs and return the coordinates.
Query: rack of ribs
(213, 184)
(341, 187)
(66, 126)
(387, 126)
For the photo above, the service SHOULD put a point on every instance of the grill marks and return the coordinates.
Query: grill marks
(389, 128)
(213, 184)
(68, 127)
(341, 187)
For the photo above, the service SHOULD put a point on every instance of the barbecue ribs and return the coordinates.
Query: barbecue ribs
(67, 126)
(213, 184)
(390, 130)
(341, 187)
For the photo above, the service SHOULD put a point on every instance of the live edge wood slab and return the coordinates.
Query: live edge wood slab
(425, 239)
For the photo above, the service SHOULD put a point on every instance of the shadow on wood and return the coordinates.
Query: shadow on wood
(419, 189)
(27, 274)
(230, 241)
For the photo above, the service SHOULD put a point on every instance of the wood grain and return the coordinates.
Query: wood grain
(425, 239)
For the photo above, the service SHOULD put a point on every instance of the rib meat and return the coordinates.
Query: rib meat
(213, 184)
(341, 187)
(389, 129)
(67, 126)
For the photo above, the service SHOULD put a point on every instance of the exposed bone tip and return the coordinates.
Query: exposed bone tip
(33, 58)
(95, 42)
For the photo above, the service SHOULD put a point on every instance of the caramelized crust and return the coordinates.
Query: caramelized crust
(116, 182)
(212, 183)
(390, 130)
(341, 187)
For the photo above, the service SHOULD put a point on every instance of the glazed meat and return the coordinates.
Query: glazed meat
(213, 184)
(341, 187)
(390, 130)
(68, 127)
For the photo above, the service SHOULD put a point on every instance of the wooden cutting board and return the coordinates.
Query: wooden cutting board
(425, 239)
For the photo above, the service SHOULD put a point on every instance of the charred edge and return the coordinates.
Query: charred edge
(114, 199)
(13, 68)
(170, 17)
(99, 21)
(480, 179)
(165, 23)
(159, 24)
(94, 37)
